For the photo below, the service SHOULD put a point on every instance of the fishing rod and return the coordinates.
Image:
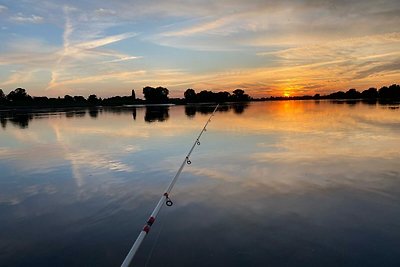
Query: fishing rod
(164, 199)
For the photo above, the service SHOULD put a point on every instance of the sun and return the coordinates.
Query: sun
(286, 94)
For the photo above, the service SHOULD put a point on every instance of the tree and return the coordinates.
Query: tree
(163, 92)
(371, 93)
(239, 95)
(19, 95)
(390, 92)
(222, 96)
(3, 98)
(352, 94)
(80, 100)
(68, 99)
(133, 95)
(338, 95)
(155, 95)
(190, 95)
(205, 96)
(93, 100)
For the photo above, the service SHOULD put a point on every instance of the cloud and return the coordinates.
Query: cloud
(103, 11)
(265, 47)
(123, 58)
(79, 47)
(20, 18)
(91, 44)
(18, 78)
(3, 8)
(207, 28)
(390, 67)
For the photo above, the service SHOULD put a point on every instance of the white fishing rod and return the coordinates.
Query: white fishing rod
(164, 198)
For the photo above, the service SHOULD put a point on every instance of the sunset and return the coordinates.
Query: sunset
(107, 48)
(193, 133)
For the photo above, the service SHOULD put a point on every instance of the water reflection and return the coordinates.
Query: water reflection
(134, 113)
(238, 108)
(293, 183)
(94, 113)
(20, 119)
(153, 113)
(156, 113)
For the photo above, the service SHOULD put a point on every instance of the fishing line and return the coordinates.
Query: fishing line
(165, 198)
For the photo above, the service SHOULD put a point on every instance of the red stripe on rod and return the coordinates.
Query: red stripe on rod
(151, 221)
(146, 228)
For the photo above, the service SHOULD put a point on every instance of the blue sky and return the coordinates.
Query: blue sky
(265, 47)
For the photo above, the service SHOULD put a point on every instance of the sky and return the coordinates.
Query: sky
(267, 48)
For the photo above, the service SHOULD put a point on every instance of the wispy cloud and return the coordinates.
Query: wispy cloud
(3, 8)
(18, 77)
(104, 11)
(21, 18)
(123, 58)
(207, 28)
(77, 48)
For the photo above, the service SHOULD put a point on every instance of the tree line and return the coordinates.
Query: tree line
(152, 95)
(159, 95)
(385, 93)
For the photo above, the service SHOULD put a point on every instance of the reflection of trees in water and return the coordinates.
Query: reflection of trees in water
(93, 113)
(18, 119)
(3, 120)
(21, 120)
(156, 113)
(80, 113)
(206, 109)
(134, 113)
(369, 102)
(238, 108)
(190, 111)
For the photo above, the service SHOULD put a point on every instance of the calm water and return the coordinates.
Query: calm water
(272, 184)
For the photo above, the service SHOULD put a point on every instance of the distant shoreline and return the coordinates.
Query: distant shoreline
(19, 99)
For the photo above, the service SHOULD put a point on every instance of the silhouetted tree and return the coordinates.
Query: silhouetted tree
(371, 93)
(205, 96)
(222, 97)
(239, 95)
(155, 95)
(80, 100)
(338, 95)
(190, 95)
(19, 96)
(93, 100)
(3, 99)
(133, 95)
(40, 100)
(238, 92)
(352, 94)
(68, 99)
(390, 92)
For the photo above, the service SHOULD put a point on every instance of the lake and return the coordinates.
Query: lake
(285, 183)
